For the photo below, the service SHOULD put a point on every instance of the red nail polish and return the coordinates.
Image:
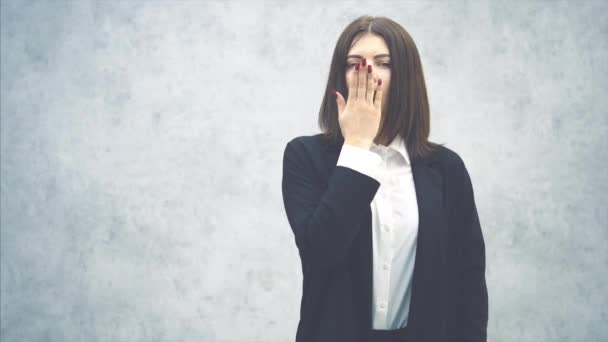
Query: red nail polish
(369, 69)
(379, 81)
(357, 66)
(364, 61)
(333, 91)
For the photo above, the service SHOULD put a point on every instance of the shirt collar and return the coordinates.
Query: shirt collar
(398, 145)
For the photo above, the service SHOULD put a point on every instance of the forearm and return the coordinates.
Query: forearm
(325, 221)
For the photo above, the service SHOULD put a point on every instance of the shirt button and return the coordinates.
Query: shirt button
(382, 305)
(386, 266)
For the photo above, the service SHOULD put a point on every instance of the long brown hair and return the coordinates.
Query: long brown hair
(407, 111)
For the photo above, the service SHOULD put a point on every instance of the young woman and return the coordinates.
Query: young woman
(384, 220)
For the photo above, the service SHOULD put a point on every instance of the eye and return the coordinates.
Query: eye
(351, 65)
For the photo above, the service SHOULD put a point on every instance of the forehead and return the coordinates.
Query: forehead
(368, 44)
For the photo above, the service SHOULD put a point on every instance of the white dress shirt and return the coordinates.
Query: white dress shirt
(394, 226)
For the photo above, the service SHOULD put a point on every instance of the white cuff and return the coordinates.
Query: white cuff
(361, 160)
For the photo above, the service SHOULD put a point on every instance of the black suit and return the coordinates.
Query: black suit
(328, 208)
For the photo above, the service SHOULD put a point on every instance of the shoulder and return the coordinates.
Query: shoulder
(448, 158)
(318, 140)
(310, 155)
(452, 165)
(312, 144)
(306, 149)
(305, 141)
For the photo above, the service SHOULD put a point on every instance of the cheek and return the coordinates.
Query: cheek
(385, 75)
(386, 82)
(350, 78)
(386, 78)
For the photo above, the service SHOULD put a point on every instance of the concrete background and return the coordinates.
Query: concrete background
(142, 146)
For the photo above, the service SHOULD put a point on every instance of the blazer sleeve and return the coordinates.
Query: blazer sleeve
(472, 300)
(325, 219)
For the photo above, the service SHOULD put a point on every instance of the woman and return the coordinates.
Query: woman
(384, 220)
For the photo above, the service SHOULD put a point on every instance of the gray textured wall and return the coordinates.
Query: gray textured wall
(142, 146)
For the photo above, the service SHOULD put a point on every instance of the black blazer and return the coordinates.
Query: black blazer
(328, 209)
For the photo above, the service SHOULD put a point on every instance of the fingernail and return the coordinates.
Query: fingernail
(357, 66)
(364, 61)
(379, 81)
(369, 69)
(333, 91)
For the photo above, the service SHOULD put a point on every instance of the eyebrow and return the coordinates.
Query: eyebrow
(376, 56)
